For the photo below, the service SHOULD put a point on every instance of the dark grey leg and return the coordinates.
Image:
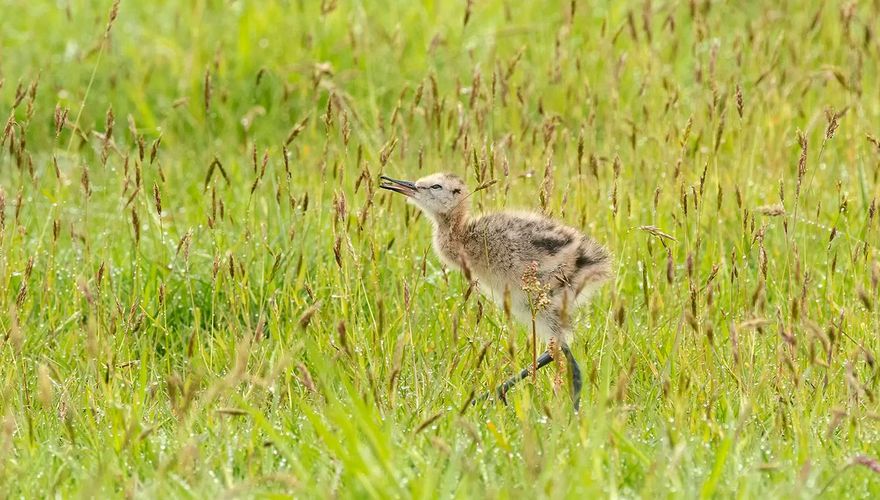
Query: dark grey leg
(543, 360)
(576, 381)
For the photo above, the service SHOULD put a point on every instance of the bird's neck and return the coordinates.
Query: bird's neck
(449, 234)
(451, 223)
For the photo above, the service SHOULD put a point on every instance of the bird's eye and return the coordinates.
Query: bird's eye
(436, 186)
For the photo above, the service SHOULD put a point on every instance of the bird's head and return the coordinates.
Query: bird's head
(439, 195)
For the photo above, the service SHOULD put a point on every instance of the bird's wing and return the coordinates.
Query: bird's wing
(522, 238)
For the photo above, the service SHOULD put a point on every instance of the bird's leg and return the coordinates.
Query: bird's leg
(543, 360)
(575, 377)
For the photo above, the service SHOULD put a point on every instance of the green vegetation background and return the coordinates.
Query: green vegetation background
(203, 293)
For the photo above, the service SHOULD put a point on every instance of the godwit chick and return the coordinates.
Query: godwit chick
(503, 250)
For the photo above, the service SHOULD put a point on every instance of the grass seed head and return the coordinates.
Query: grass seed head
(869, 462)
(136, 225)
(307, 315)
(14, 334)
(538, 293)
(44, 386)
(873, 140)
(771, 210)
(739, 100)
(114, 13)
(865, 298)
(154, 149)
(833, 119)
(207, 90)
(84, 180)
(656, 232)
(157, 199)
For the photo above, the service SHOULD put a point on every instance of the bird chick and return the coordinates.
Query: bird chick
(541, 269)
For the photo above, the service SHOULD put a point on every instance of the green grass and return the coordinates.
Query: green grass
(282, 327)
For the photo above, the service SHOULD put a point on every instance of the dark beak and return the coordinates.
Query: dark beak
(405, 188)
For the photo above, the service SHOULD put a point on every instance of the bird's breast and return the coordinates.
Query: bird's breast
(448, 249)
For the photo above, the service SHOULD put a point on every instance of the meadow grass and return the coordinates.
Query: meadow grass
(204, 293)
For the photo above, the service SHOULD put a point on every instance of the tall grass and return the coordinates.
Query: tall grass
(203, 291)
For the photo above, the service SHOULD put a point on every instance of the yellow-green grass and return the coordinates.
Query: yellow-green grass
(283, 327)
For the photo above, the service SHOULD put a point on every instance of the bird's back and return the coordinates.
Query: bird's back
(500, 248)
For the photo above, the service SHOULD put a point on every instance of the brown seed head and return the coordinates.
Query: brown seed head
(157, 198)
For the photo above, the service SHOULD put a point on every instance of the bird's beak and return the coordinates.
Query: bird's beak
(405, 188)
